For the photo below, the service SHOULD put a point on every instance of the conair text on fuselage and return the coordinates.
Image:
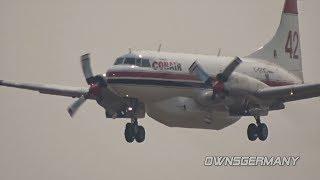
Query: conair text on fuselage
(166, 65)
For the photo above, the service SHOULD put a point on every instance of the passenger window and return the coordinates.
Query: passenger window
(119, 61)
(131, 61)
(145, 63)
(138, 62)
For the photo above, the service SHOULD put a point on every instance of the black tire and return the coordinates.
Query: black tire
(262, 131)
(129, 133)
(252, 132)
(141, 134)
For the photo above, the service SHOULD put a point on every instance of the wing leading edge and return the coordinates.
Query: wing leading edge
(47, 89)
(290, 92)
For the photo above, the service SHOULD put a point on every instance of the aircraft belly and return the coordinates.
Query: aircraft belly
(175, 107)
(184, 112)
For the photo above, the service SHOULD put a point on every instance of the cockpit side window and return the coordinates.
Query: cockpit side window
(138, 62)
(145, 63)
(119, 61)
(131, 61)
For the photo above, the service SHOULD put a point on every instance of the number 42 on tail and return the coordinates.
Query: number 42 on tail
(292, 40)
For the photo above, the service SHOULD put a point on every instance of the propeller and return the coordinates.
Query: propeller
(95, 84)
(221, 78)
(86, 68)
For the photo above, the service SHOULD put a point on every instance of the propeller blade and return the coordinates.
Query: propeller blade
(197, 70)
(224, 76)
(86, 68)
(72, 109)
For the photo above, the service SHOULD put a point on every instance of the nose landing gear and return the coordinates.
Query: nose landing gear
(134, 131)
(259, 130)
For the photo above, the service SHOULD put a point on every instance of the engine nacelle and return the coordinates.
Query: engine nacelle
(241, 84)
(237, 88)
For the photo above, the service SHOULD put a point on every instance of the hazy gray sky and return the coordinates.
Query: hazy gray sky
(41, 41)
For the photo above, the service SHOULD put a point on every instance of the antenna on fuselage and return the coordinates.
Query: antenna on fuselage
(219, 52)
(159, 47)
(129, 50)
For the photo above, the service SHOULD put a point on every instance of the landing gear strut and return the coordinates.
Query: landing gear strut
(259, 130)
(133, 131)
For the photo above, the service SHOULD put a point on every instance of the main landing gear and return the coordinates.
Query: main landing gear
(259, 130)
(134, 132)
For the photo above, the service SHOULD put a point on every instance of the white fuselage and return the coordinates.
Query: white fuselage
(169, 90)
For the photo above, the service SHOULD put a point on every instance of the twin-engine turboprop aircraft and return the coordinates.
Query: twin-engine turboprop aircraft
(197, 91)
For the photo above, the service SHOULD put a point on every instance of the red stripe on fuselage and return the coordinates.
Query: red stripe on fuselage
(161, 75)
(276, 83)
(172, 76)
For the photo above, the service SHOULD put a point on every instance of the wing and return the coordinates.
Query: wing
(290, 92)
(47, 89)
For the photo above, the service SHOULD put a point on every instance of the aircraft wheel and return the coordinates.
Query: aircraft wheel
(252, 132)
(141, 133)
(262, 131)
(129, 132)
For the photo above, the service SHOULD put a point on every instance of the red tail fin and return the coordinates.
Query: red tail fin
(290, 6)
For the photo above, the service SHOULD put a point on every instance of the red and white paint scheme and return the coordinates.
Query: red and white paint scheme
(197, 91)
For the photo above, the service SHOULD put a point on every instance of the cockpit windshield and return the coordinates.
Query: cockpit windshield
(119, 61)
(131, 61)
(141, 62)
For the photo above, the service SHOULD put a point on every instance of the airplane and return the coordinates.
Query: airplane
(196, 91)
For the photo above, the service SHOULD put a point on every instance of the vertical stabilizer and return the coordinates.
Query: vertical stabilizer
(284, 49)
